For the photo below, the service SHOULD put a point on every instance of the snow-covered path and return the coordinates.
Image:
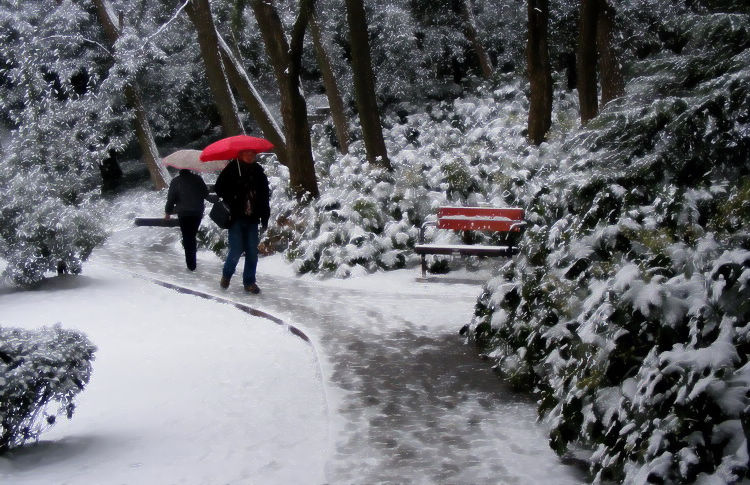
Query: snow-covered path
(409, 401)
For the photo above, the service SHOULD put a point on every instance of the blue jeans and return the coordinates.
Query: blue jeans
(243, 238)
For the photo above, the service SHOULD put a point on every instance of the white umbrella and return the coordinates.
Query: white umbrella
(190, 159)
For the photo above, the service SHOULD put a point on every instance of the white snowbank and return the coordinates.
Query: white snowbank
(184, 390)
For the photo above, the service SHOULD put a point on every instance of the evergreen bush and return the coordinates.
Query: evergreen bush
(41, 372)
(56, 121)
(627, 311)
(368, 219)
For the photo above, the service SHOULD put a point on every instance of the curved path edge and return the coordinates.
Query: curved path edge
(240, 306)
(251, 311)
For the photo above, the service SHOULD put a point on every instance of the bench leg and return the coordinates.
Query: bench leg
(424, 266)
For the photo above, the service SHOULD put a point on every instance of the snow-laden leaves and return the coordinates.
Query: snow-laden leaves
(41, 372)
(628, 310)
(49, 163)
(368, 219)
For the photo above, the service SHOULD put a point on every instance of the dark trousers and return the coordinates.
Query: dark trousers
(189, 226)
(243, 238)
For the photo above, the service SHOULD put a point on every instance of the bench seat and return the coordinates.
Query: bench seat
(505, 220)
(157, 222)
(470, 249)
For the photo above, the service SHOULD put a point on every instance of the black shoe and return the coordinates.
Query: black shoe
(224, 283)
(252, 288)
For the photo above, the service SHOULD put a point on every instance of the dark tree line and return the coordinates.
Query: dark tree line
(293, 145)
(454, 24)
(596, 60)
(596, 64)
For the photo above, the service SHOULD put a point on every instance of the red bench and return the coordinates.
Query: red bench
(505, 220)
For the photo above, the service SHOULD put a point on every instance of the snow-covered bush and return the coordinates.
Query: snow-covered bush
(41, 372)
(629, 308)
(461, 152)
(360, 224)
(56, 123)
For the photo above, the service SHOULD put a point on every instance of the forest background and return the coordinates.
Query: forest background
(622, 128)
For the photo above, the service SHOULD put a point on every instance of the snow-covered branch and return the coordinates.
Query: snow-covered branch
(89, 41)
(166, 24)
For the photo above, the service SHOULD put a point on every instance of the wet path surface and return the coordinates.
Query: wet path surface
(410, 402)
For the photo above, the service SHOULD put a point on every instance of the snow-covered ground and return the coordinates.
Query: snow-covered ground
(188, 390)
(184, 390)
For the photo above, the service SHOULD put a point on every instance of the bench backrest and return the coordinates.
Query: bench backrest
(480, 219)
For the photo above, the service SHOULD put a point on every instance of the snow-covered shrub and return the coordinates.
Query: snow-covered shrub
(462, 152)
(627, 310)
(41, 372)
(56, 122)
(360, 224)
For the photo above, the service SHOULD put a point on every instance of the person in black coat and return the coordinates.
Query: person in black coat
(187, 191)
(244, 187)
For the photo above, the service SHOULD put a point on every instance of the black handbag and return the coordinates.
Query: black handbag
(220, 214)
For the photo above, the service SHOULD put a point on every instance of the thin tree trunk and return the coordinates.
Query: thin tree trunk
(338, 114)
(146, 139)
(470, 25)
(286, 60)
(540, 74)
(199, 12)
(364, 85)
(150, 153)
(253, 101)
(613, 85)
(568, 60)
(586, 60)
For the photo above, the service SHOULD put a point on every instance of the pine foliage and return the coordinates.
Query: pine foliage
(629, 309)
(39, 368)
(48, 163)
(367, 219)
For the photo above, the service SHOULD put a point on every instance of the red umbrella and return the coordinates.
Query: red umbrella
(228, 148)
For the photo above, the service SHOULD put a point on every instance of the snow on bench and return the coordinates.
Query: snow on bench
(497, 219)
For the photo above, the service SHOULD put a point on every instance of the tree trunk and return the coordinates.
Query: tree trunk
(286, 59)
(364, 85)
(146, 137)
(613, 85)
(110, 171)
(586, 61)
(568, 60)
(338, 114)
(540, 74)
(470, 26)
(199, 12)
(156, 169)
(253, 101)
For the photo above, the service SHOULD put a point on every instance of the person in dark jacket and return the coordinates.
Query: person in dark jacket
(187, 191)
(244, 187)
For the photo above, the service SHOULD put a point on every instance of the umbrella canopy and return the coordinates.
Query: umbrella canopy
(228, 148)
(190, 159)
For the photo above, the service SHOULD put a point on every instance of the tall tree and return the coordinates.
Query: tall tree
(286, 59)
(364, 85)
(199, 12)
(338, 114)
(613, 85)
(253, 101)
(586, 60)
(157, 171)
(470, 27)
(595, 46)
(539, 71)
